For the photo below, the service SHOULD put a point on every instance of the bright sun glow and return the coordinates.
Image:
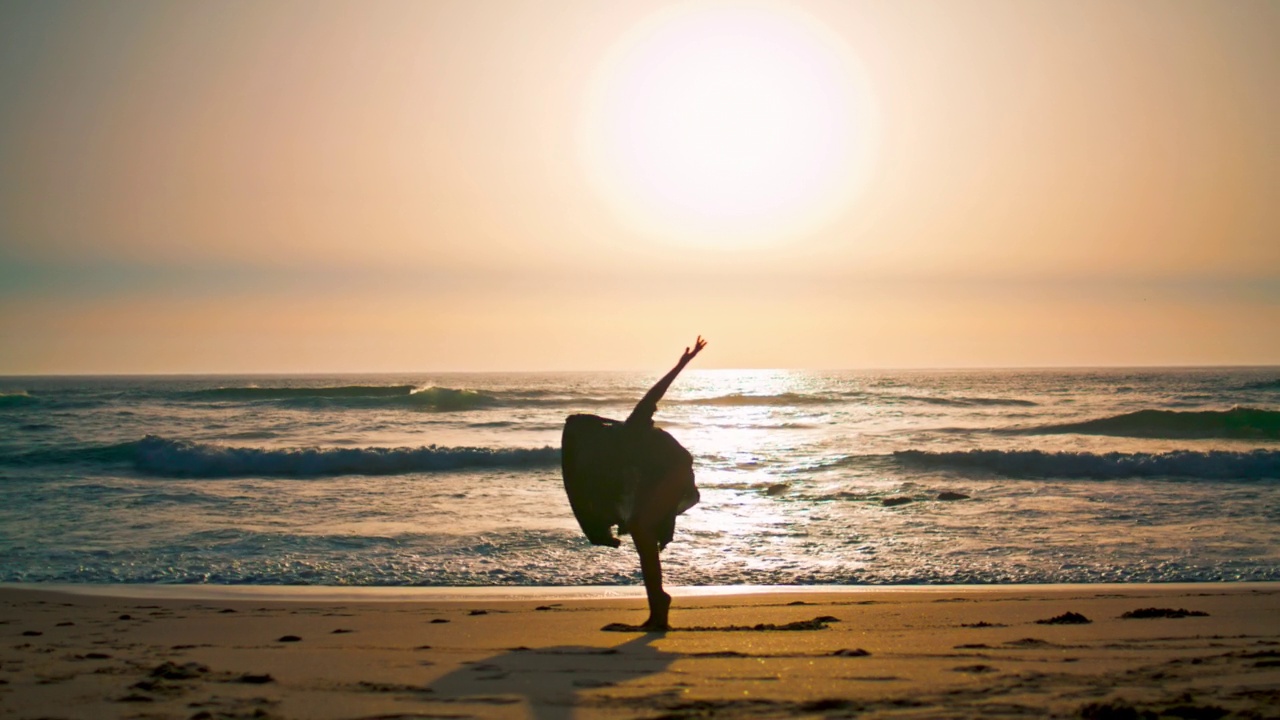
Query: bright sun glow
(728, 122)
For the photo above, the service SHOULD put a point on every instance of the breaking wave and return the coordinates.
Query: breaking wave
(358, 396)
(18, 399)
(439, 398)
(1211, 465)
(182, 458)
(452, 399)
(446, 399)
(1237, 423)
(254, 392)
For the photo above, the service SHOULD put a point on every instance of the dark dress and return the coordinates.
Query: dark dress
(610, 467)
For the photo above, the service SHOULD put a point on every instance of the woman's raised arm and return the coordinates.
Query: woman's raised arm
(648, 405)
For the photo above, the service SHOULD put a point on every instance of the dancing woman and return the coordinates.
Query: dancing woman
(633, 475)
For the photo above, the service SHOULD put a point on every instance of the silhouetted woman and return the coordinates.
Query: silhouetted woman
(633, 475)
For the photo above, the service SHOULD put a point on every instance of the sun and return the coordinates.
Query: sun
(724, 121)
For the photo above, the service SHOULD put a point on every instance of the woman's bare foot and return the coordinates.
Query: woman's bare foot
(659, 608)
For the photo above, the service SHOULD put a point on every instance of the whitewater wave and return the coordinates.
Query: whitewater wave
(1237, 423)
(453, 399)
(166, 457)
(18, 399)
(444, 399)
(1211, 465)
(356, 396)
(441, 398)
(254, 392)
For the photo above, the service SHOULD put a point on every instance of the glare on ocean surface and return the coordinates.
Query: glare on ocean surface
(728, 122)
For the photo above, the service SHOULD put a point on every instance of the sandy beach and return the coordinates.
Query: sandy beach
(913, 652)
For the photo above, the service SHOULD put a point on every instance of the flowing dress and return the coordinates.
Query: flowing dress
(611, 467)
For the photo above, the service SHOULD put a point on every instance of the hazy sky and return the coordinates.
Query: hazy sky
(316, 186)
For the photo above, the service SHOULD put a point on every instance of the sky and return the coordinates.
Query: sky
(265, 186)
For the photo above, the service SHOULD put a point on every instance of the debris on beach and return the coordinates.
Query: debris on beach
(1066, 618)
(1153, 612)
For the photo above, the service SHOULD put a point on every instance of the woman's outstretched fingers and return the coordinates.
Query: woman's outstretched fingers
(697, 348)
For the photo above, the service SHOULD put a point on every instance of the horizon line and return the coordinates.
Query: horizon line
(910, 368)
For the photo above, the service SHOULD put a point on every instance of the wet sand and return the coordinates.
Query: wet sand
(901, 653)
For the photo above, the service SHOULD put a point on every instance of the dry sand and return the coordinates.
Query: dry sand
(910, 653)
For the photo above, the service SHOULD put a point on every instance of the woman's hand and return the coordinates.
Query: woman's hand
(697, 348)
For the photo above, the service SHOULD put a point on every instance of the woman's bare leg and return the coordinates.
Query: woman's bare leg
(651, 567)
(652, 514)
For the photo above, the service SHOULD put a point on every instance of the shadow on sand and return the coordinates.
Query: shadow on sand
(552, 679)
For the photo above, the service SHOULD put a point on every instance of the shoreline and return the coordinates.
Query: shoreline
(873, 652)
(517, 593)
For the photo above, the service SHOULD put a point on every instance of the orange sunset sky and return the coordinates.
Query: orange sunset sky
(267, 186)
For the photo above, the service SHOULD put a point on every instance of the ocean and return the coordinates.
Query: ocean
(850, 478)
